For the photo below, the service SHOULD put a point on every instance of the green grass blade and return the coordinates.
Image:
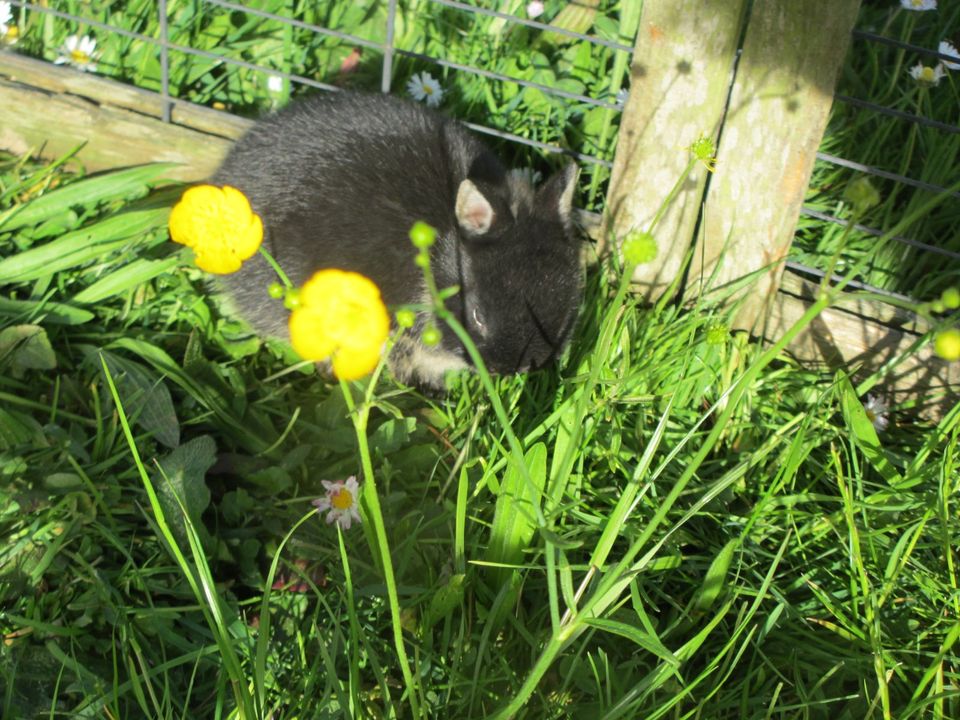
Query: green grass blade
(198, 574)
(515, 516)
(864, 434)
(126, 278)
(86, 193)
(79, 247)
(650, 643)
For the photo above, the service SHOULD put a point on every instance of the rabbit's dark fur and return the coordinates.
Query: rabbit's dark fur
(339, 179)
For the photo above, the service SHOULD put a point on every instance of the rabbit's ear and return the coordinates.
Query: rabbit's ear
(474, 212)
(556, 194)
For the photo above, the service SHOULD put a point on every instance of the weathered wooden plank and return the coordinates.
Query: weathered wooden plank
(60, 80)
(853, 303)
(841, 338)
(31, 120)
(57, 108)
(792, 54)
(680, 76)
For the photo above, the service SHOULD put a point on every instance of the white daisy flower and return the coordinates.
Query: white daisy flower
(534, 9)
(947, 48)
(341, 502)
(926, 75)
(424, 87)
(876, 410)
(9, 34)
(919, 4)
(81, 52)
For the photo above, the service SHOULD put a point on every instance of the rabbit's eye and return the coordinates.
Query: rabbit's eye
(478, 321)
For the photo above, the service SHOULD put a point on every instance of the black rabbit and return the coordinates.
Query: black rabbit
(339, 179)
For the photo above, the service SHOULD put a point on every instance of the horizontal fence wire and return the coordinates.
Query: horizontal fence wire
(388, 47)
(889, 111)
(586, 99)
(164, 43)
(850, 285)
(593, 39)
(899, 114)
(819, 215)
(894, 42)
(877, 172)
(317, 29)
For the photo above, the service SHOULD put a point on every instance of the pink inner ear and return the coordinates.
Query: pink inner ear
(474, 212)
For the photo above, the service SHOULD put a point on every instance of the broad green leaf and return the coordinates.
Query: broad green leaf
(26, 347)
(88, 243)
(274, 480)
(62, 481)
(182, 475)
(49, 313)
(443, 602)
(515, 516)
(507, 7)
(18, 429)
(146, 398)
(392, 435)
(203, 380)
(57, 225)
(237, 339)
(576, 16)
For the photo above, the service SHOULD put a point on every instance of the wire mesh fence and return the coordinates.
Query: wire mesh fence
(555, 87)
(886, 122)
(233, 73)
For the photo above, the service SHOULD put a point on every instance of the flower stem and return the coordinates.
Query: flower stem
(671, 196)
(276, 267)
(516, 447)
(360, 417)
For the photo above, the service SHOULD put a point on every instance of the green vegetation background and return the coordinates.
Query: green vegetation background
(784, 559)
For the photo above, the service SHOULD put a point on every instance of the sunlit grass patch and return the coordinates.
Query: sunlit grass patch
(670, 521)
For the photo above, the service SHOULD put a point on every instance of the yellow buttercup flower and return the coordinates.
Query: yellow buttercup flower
(220, 226)
(340, 316)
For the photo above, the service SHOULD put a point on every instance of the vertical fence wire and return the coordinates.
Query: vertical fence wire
(165, 61)
(386, 79)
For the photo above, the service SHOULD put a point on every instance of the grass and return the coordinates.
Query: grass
(699, 527)
(748, 549)
(878, 73)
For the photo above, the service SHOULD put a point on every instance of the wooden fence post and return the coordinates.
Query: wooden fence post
(680, 78)
(778, 110)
